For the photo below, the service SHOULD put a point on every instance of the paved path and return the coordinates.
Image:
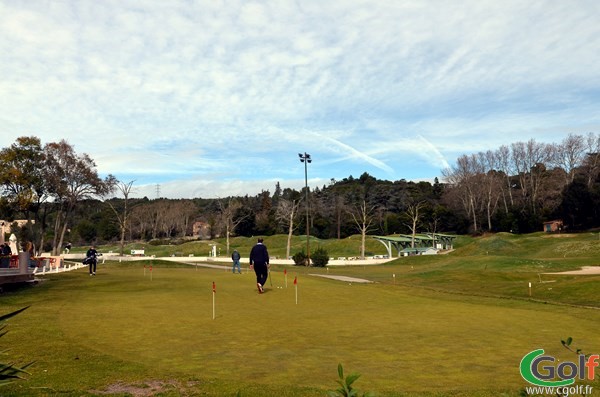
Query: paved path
(343, 278)
(339, 278)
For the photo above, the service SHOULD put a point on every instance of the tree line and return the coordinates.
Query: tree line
(513, 188)
(517, 187)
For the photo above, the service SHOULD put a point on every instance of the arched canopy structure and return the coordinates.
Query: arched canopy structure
(403, 241)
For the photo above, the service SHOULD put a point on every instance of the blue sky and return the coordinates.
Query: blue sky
(216, 98)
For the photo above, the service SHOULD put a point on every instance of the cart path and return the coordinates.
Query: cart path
(342, 278)
(332, 277)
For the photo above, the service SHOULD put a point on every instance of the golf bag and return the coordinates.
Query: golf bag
(90, 259)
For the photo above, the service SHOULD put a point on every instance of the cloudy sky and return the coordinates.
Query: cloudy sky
(214, 98)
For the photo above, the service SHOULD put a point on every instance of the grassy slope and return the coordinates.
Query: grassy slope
(348, 247)
(501, 265)
(405, 339)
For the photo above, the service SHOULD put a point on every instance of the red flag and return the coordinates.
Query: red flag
(295, 280)
(150, 267)
(214, 288)
(285, 271)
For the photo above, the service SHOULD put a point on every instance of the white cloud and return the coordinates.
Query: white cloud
(213, 90)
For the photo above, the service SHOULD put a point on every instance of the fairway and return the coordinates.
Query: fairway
(88, 334)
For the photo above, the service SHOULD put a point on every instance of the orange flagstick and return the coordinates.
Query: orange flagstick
(150, 272)
(285, 275)
(296, 287)
(213, 295)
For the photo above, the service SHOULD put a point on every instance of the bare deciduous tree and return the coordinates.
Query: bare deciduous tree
(569, 155)
(227, 217)
(530, 160)
(123, 215)
(414, 214)
(592, 160)
(362, 215)
(462, 179)
(491, 184)
(286, 213)
(504, 165)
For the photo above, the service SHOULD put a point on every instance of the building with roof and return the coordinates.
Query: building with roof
(553, 226)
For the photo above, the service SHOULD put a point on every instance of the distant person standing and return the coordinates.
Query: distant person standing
(235, 257)
(68, 247)
(259, 261)
(91, 259)
(4, 260)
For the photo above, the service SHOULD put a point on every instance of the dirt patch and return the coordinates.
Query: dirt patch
(145, 389)
(560, 235)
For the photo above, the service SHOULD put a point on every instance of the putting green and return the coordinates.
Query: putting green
(400, 339)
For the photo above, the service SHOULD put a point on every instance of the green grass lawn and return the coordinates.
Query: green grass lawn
(448, 325)
(121, 331)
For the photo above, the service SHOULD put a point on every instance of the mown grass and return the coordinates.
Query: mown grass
(450, 325)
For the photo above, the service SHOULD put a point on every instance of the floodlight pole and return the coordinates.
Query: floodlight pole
(305, 158)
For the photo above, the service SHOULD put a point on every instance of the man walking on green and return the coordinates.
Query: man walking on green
(259, 261)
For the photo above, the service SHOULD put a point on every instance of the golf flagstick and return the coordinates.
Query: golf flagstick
(269, 274)
(213, 300)
(296, 287)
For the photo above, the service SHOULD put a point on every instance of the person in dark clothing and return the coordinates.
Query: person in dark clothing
(259, 261)
(235, 257)
(4, 258)
(90, 258)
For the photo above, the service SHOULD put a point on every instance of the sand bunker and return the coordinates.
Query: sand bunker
(586, 270)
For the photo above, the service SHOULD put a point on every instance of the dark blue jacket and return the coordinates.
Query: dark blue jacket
(259, 255)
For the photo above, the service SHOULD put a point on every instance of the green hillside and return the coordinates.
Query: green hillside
(502, 265)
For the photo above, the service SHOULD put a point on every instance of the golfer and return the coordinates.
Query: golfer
(259, 261)
(91, 259)
(235, 257)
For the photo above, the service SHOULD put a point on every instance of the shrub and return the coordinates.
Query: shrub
(299, 258)
(320, 258)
